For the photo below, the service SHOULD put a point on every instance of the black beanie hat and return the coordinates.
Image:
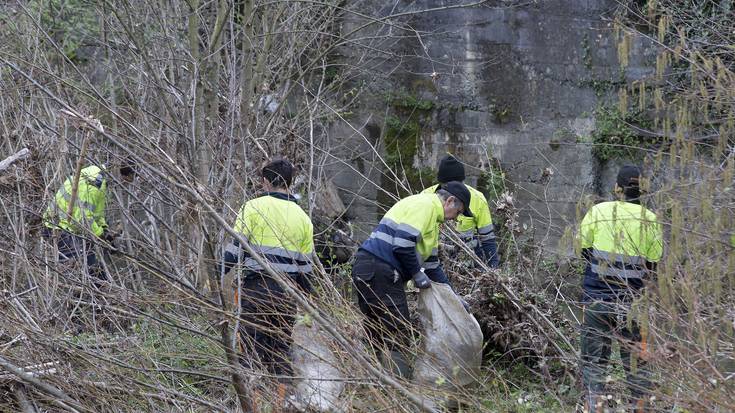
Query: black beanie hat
(450, 169)
(629, 177)
(629, 181)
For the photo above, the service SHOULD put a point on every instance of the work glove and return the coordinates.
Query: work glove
(421, 280)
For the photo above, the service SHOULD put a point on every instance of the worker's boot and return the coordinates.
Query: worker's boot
(399, 365)
(594, 403)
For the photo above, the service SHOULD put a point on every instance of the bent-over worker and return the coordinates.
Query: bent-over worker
(402, 247)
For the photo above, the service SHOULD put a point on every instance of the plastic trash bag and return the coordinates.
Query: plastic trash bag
(452, 340)
(319, 382)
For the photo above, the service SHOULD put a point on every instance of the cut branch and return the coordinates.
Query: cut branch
(21, 154)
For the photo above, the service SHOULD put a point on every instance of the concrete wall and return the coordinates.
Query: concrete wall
(509, 81)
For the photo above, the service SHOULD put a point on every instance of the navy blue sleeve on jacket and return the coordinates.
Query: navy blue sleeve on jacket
(488, 250)
(437, 275)
(404, 242)
(231, 256)
(406, 256)
(651, 268)
(587, 254)
(434, 270)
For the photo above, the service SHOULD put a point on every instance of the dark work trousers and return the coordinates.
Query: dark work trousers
(603, 321)
(381, 296)
(268, 314)
(72, 246)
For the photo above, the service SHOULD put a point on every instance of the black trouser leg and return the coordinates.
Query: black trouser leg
(95, 268)
(382, 298)
(72, 246)
(632, 353)
(268, 314)
(602, 322)
(595, 346)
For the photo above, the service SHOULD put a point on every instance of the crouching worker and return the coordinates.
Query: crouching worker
(621, 242)
(403, 247)
(77, 231)
(280, 232)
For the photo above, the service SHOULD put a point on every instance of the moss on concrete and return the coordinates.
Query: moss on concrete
(404, 101)
(614, 136)
(401, 141)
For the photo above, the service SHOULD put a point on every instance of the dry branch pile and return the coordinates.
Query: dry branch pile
(506, 319)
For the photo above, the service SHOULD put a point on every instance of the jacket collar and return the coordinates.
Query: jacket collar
(278, 195)
(635, 201)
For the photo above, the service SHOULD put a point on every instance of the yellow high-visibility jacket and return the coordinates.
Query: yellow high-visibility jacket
(621, 241)
(407, 237)
(89, 207)
(276, 227)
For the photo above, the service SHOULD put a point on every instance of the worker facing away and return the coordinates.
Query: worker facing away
(78, 232)
(621, 242)
(278, 229)
(477, 231)
(403, 247)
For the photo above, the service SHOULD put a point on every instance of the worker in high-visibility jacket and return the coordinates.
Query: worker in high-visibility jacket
(477, 231)
(281, 232)
(78, 232)
(403, 247)
(621, 242)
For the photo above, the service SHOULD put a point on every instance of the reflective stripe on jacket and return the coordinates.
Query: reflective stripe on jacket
(277, 228)
(89, 206)
(621, 241)
(478, 231)
(407, 237)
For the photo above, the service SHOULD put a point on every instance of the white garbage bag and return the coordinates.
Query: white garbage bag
(319, 382)
(452, 340)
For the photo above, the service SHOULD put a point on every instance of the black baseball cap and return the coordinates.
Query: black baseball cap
(460, 191)
(629, 176)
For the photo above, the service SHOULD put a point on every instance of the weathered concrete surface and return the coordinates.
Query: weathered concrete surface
(510, 82)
